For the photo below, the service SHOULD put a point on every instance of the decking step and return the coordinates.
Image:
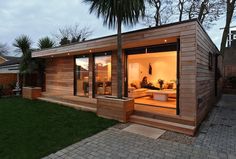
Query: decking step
(76, 106)
(166, 117)
(73, 100)
(167, 125)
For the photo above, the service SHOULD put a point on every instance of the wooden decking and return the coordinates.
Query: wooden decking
(163, 124)
(72, 101)
(164, 118)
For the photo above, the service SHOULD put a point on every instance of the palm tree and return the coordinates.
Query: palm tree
(116, 12)
(43, 43)
(23, 43)
(46, 42)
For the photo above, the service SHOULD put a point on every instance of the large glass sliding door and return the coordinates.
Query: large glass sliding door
(82, 76)
(152, 77)
(102, 81)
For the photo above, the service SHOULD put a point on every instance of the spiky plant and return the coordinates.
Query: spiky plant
(27, 65)
(23, 43)
(46, 42)
(43, 43)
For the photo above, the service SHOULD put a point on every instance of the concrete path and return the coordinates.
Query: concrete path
(215, 139)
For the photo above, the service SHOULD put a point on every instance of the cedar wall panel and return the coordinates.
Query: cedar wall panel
(205, 77)
(60, 76)
(187, 81)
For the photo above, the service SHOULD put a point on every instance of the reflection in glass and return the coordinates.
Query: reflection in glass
(103, 75)
(82, 76)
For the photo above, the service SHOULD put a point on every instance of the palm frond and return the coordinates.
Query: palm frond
(46, 42)
(128, 11)
(23, 43)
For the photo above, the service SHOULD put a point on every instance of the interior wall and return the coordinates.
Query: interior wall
(163, 67)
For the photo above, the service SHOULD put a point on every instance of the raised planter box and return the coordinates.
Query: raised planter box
(31, 92)
(113, 108)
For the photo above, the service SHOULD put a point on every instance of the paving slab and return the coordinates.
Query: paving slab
(145, 131)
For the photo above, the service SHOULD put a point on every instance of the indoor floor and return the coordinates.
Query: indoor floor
(148, 100)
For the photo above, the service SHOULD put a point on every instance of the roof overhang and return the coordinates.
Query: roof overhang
(144, 37)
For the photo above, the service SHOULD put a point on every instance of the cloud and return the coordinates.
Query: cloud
(37, 18)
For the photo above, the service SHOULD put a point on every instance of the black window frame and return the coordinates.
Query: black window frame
(99, 54)
(210, 61)
(75, 73)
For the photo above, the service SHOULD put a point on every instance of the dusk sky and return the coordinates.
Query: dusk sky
(37, 18)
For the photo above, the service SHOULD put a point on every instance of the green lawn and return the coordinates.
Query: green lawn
(34, 129)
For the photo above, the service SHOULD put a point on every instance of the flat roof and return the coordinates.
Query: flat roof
(85, 45)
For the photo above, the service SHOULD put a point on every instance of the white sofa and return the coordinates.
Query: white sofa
(136, 93)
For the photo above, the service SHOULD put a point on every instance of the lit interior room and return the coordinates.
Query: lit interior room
(152, 78)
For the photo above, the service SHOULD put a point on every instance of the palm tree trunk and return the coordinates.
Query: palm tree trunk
(119, 60)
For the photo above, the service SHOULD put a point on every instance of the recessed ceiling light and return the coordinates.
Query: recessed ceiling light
(90, 50)
(165, 40)
(68, 54)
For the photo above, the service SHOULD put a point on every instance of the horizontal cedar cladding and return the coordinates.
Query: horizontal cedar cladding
(144, 37)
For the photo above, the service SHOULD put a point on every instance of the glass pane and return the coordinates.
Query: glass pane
(82, 76)
(103, 75)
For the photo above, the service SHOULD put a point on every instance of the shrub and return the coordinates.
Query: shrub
(1, 90)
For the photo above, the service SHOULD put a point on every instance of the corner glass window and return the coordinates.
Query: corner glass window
(102, 72)
(82, 76)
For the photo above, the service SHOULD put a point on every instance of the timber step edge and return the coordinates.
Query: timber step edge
(73, 105)
(170, 118)
(73, 100)
(172, 126)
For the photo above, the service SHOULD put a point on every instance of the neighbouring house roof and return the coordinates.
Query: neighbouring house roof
(2, 57)
(11, 60)
(109, 42)
(11, 65)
